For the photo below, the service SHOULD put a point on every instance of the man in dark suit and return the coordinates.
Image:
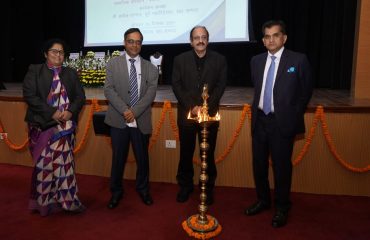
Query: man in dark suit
(130, 88)
(283, 88)
(191, 71)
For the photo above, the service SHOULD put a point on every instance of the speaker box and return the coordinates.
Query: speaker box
(100, 127)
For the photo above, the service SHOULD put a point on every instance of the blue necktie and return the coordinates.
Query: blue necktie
(134, 93)
(268, 87)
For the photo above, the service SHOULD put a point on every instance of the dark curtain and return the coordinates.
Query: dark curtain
(323, 29)
(5, 57)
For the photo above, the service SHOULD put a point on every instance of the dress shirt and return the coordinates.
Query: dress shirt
(268, 63)
(137, 64)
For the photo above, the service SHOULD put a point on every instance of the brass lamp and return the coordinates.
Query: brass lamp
(202, 225)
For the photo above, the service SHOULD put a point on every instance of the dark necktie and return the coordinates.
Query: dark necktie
(134, 93)
(268, 87)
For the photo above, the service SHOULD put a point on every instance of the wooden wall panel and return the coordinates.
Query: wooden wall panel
(361, 66)
(318, 172)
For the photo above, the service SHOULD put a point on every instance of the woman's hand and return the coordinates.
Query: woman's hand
(57, 116)
(65, 116)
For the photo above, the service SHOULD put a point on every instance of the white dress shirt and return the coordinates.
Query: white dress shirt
(267, 66)
(137, 64)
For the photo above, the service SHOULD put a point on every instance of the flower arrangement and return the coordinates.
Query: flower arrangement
(91, 69)
(204, 231)
(116, 53)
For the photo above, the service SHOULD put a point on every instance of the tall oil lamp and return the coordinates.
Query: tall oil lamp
(203, 225)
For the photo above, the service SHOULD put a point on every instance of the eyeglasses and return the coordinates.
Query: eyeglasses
(56, 52)
(132, 42)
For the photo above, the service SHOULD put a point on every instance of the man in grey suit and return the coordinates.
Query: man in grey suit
(282, 89)
(130, 87)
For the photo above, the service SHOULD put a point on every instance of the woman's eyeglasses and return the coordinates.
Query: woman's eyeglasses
(56, 52)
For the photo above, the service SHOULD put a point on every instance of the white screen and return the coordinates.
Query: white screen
(164, 21)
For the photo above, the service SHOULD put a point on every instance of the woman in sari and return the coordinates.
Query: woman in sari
(55, 97)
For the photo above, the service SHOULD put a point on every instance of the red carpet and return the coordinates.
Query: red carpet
(312, 216)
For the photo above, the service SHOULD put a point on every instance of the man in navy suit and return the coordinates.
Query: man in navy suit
(130, 114)
(191, 70)
(283, 88)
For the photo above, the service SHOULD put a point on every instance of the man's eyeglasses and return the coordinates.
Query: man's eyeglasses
(56, 52)
(132, 42)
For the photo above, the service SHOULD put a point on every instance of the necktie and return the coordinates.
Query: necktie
(268, 87)
(134, 93)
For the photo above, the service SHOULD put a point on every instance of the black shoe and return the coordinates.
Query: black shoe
(146, 198)
(114, 201)
(280, 219)
(183, 195)
(256, 208)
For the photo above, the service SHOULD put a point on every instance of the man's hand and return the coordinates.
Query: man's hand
(129, 116)
(195, 110)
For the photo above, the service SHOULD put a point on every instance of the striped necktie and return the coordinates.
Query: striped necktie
(134, 93)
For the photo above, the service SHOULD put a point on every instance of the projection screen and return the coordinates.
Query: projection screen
(165, 21)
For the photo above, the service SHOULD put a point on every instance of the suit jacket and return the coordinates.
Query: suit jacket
(116, 90)
(188, 87)
(36, 88)
(292, 90)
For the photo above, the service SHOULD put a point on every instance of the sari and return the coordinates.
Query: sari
(53, 184)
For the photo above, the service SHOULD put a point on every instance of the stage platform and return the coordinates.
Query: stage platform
(331, 158)
(234, 97)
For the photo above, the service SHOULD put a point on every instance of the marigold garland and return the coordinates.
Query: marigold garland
(200, 235)
(333, 149)
(173, 123)
(319, 116)
(309, 138)
(9, 143)
(246, 111)
(94, 106)
(153, 139)
(157, 129)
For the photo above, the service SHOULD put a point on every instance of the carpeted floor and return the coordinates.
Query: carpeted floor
(312, 216)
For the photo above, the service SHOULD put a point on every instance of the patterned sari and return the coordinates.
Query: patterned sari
(54, 185)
